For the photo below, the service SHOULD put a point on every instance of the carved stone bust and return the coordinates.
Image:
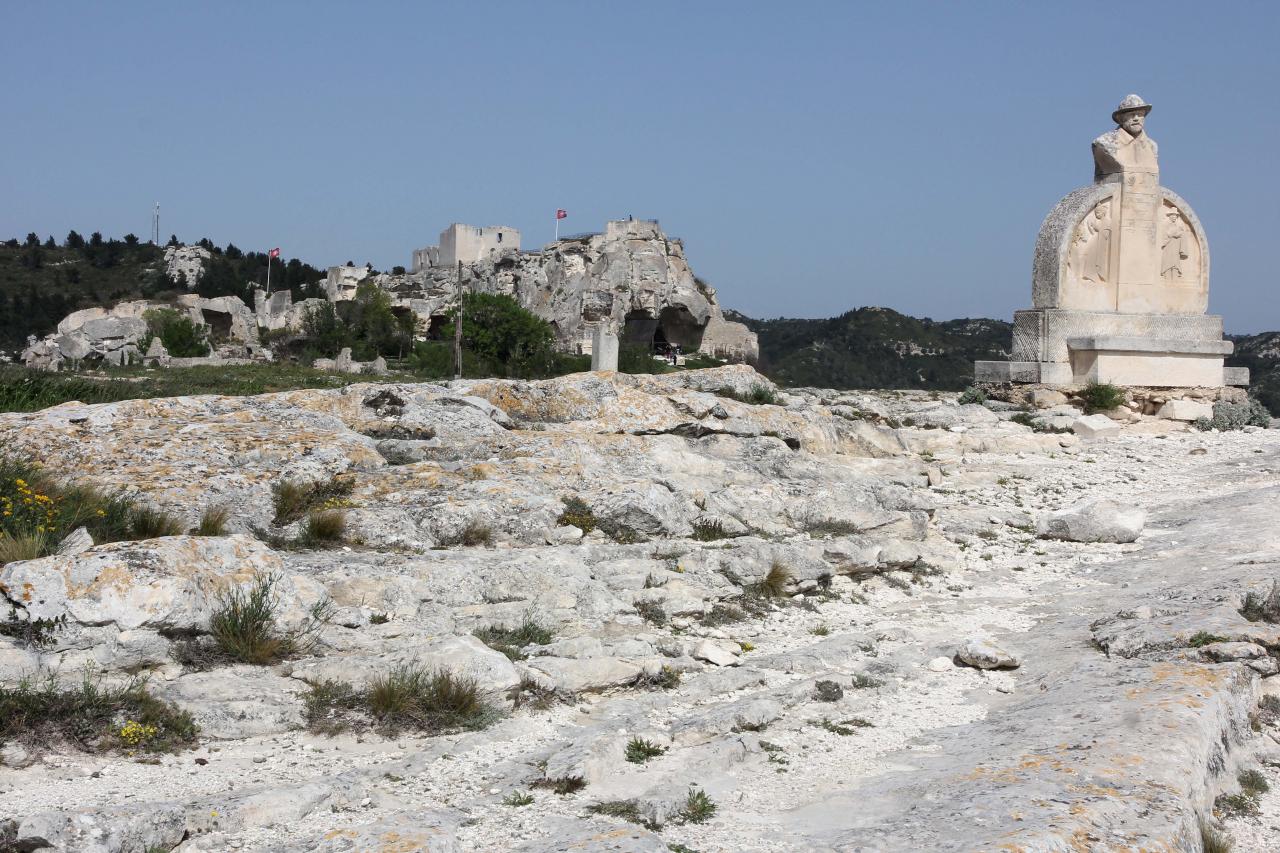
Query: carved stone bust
(1128, 147)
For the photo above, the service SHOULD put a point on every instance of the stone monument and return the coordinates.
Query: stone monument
(1120, 281)
(604, 348)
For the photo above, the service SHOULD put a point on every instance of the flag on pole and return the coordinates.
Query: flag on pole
(561, 213)
(274, 253)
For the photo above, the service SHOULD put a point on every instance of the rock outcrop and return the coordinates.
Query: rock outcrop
(749, 621)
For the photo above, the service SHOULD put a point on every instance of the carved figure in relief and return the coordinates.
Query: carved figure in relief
(1127, 147)
(1091, 250)
(1176, 248)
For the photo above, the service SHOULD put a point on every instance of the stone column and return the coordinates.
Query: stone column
(604, 348)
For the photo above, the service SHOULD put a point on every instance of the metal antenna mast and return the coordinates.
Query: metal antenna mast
(155, 225)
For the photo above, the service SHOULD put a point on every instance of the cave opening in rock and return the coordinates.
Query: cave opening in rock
(673, 327)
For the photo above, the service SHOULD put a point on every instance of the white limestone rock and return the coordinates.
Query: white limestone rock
(1185, 410)
(985, 654)
(1095, 426)
(1094, 521)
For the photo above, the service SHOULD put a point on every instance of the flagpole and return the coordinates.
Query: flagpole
(268, 274)
(557, 226)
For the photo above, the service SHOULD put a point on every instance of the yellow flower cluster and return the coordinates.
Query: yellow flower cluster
(338, 503)
(24, 507)
(137, 734)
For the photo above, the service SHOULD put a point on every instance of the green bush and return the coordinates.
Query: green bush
(92, 717)
(179, 334)
(511, 641)
(408, 697)
(973, 394)
(1234, 416)
(1101, 397)
(577, 513)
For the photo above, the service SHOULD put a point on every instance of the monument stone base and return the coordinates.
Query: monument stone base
(1067, 347)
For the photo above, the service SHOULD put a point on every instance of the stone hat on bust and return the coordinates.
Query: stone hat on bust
(1130, 103)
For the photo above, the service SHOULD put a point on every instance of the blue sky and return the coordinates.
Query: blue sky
(814, 157)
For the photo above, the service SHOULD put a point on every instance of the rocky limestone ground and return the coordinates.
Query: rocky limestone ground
(852, 621)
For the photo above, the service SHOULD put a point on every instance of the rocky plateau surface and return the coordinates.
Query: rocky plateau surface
(846, 621)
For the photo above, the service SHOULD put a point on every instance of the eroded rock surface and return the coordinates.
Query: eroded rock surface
(769, 596)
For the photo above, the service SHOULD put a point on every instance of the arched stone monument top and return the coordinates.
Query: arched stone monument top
(1075, 263)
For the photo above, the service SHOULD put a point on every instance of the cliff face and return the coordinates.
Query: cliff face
(632, 277)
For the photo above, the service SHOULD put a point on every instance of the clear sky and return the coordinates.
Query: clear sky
(814, 157)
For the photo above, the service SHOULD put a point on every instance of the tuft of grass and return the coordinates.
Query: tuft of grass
(666, 678)
(1236, 805)
(511, 641)
(23, 546)
(1262, 608)
(698, 807)
(820, 630)
(577, 513)
(379, 618)
(628, 810)
(773, 584)
(862, 681)
(1253, 783)
(651, 612)
(407, 697)
(244, 624)
(149, 523)
(563, 786)
(323, 527)
(844, 728)
(517, 799)
(293, 499)
(709, 530)
(639, 750)
(1204, 638)
(92, 717)
(476, 534)
(537, 696)
(1101, 397)
(213, 521)
(1213, 841)
(830, 527)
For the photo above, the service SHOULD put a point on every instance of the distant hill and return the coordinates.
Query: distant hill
(877, 348)
(42, 281)
(1261, 354)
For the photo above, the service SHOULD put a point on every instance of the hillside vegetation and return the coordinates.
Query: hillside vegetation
(877, 348)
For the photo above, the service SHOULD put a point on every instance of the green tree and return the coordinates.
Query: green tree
(180, 336)
(325, 332)
(374, 326)
(514, 341)
(131, 240)
(74, 240)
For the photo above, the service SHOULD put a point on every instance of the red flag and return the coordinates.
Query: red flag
(561, 213)
(275, 253)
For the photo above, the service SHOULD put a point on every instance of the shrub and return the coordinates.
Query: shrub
(477, 533)
(666, 678)
(757, 395)
(517, 799)
(213, 521)
(972, 394)
(651, 612)
(31, 633)
(510, 641)
(93, 717)
(628, 810)
(698, 807)
(1204, 638)
(709, 530)
(180, 336)
(563, 786)
(1101, 397)
(577, 513)
(862, 681)
(1234, 416)
(639, 750)
(1213, 841)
